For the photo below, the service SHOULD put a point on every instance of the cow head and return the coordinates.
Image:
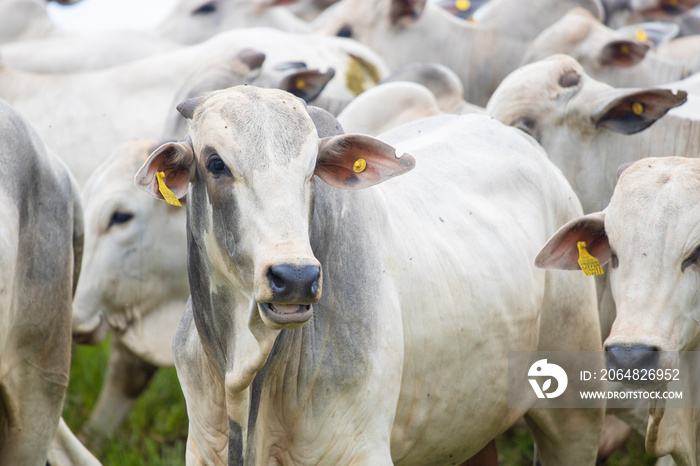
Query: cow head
(134, 261)
(578, 119)
(250, 159)
(601, 50)
(543, 97)
(649, 234)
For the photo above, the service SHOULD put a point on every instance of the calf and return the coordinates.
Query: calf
(330, 324)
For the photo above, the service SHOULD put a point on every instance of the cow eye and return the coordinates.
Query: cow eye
(205, 9)
(217, 166)
(614, 261)
(345, 31)
(692, 260)
(120, 218)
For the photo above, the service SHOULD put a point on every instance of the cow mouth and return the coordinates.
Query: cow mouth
(287, 314)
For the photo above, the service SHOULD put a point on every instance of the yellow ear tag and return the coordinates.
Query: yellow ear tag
(641, 35)
(301, 84)
(625, 49)
(462, 5)
(588, 263)
(638, 108)
(359, 165)
(168, 195)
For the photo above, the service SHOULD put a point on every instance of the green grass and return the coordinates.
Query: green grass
(155, 431)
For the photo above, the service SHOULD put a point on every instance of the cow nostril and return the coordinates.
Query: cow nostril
(632, 357)
(289, 282)
(276, 282)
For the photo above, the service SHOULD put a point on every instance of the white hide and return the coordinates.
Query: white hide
(607, 55)
(134, 263)
(192, 21)
(85, 116)
(436, 243)
(482, 53)
(649, 231)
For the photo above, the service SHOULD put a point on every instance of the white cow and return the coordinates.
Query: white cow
(412, 92)
(335, 326)
(392, 104)
(189, 22)
(649, 233)
(26, 19)
(69, 53)
(443, 82)
(588, 129)
(482, 53)
(387, 106)
(192, 21)
(85, 116)
(134, 279)
(41, 236)
(608, 55)
(619, 13)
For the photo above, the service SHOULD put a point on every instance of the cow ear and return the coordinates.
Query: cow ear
(307, 84)
(174, 160)
(356, 161)
(406, 12)
(631, 111)
(654, 33)
(561, 251)
(622, 53)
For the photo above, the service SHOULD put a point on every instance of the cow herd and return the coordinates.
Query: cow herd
(338, 220)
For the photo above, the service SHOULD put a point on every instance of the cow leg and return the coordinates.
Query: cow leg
(203, 387)
(31, 399)
(488, 456)
(566, 436)
(127, 377)
(615, 435)
(66, 450)
(568, 322)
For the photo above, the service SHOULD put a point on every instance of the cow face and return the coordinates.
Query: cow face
(251, 158)
(650, 235)
(555, 101)
(134, 259)
(578, 119)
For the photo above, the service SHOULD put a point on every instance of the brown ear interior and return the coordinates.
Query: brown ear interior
(406, 12)
(561, 251)
(636, 112)
(338, 156)
(174, 159)
(307, 84)
(623, 53)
